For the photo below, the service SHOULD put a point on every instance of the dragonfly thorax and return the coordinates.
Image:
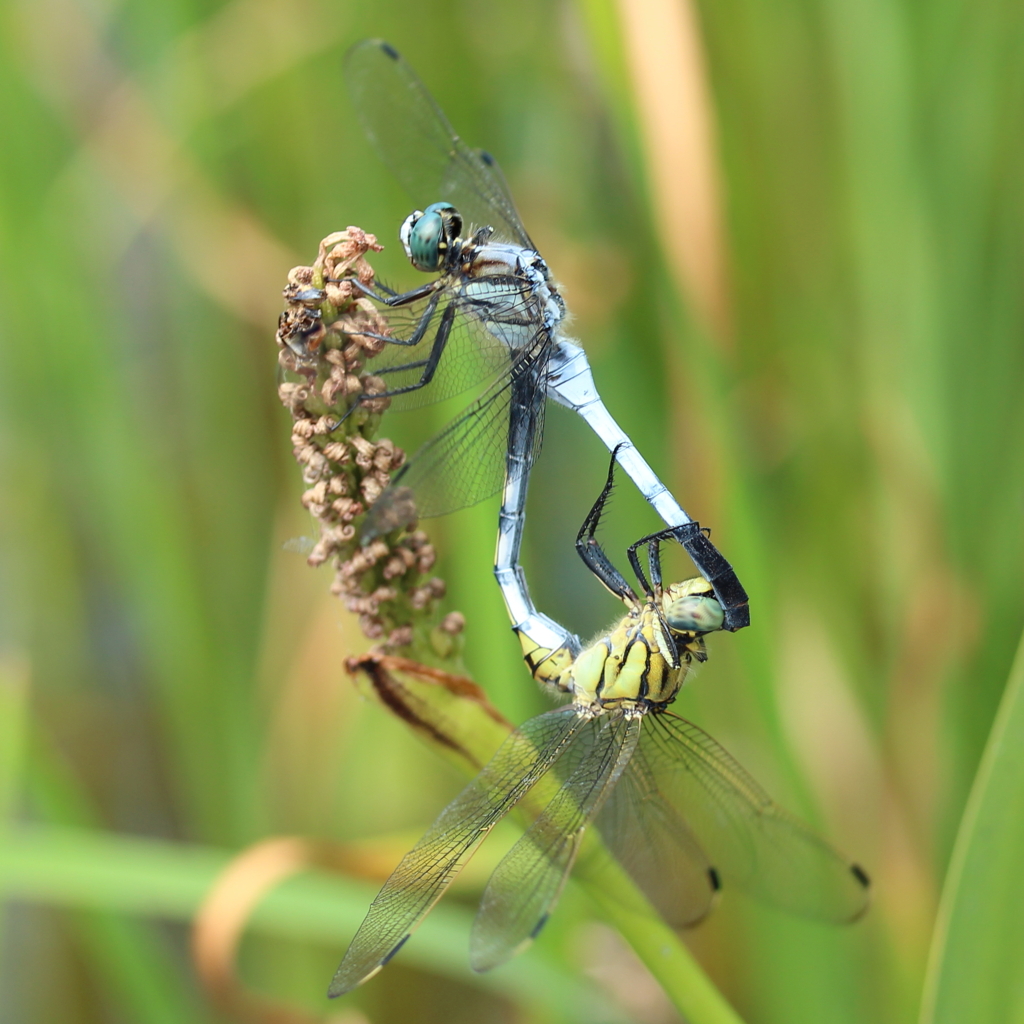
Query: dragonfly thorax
(643, 660)
(429, 236)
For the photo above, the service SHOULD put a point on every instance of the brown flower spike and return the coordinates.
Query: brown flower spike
(322, 348)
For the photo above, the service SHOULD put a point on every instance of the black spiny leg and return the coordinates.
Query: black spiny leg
(417, 335)
(444, 330)
(709, 561)
(429, 365)
(654, 591)
(653, 542)
(591, 551)
(392, 298)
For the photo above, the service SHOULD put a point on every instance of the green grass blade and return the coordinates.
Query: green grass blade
(978, 945)
(85, 869)
(14, 689)
(130, 956)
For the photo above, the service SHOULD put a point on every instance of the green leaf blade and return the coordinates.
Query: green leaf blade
(975, 969)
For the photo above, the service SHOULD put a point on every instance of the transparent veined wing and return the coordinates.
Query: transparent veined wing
(419, 146)
(465, 462)
(652, 841)
(430, 866)
(526, 884)
(750, 841)
(479, 342)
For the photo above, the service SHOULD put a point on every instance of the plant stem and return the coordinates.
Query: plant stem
(683, 980)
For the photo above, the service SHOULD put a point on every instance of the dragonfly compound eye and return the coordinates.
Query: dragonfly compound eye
(452, 220)
(694, 614)
(427, 235)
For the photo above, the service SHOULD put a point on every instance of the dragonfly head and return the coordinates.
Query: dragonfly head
(428, 235)
(691, 607)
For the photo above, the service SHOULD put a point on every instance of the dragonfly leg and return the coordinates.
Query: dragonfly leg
(685, 535)
(637, 568)
(417, 335)
(571, 383)
(429, 365)
(391, 298)
(653, 542)
(590, 550)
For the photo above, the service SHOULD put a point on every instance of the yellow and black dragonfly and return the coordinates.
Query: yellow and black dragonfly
(670, 804)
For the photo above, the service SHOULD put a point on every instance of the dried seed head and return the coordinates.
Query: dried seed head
(337, 451)
(453, 623)
(400, 637)
(325, 336)
(300, 276)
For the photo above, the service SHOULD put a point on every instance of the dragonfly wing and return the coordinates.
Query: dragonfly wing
(415, 140)
(430, 866)
(471, 354)
(751, 841)
(651, 840)
(527, 883)
(465, 462)
(479, 339)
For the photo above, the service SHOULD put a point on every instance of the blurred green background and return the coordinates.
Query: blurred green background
(791, 236)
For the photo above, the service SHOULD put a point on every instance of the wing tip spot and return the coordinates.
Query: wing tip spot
(539, 925)
(389, 50)
(861, 875)
(715, 879)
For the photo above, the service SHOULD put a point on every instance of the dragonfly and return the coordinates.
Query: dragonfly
(671, 806)
(491, 316)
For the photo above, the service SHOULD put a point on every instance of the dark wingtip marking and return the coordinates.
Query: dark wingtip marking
(487, 158)
(393, 54)
(540, 924)
(714, 879)
(861, 875)
(387, 959)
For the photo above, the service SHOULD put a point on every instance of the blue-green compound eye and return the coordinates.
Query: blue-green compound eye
(694, 614)
(428, 235)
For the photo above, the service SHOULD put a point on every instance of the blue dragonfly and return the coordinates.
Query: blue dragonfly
(490, 317)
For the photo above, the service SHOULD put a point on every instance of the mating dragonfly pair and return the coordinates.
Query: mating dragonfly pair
(669, 803)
